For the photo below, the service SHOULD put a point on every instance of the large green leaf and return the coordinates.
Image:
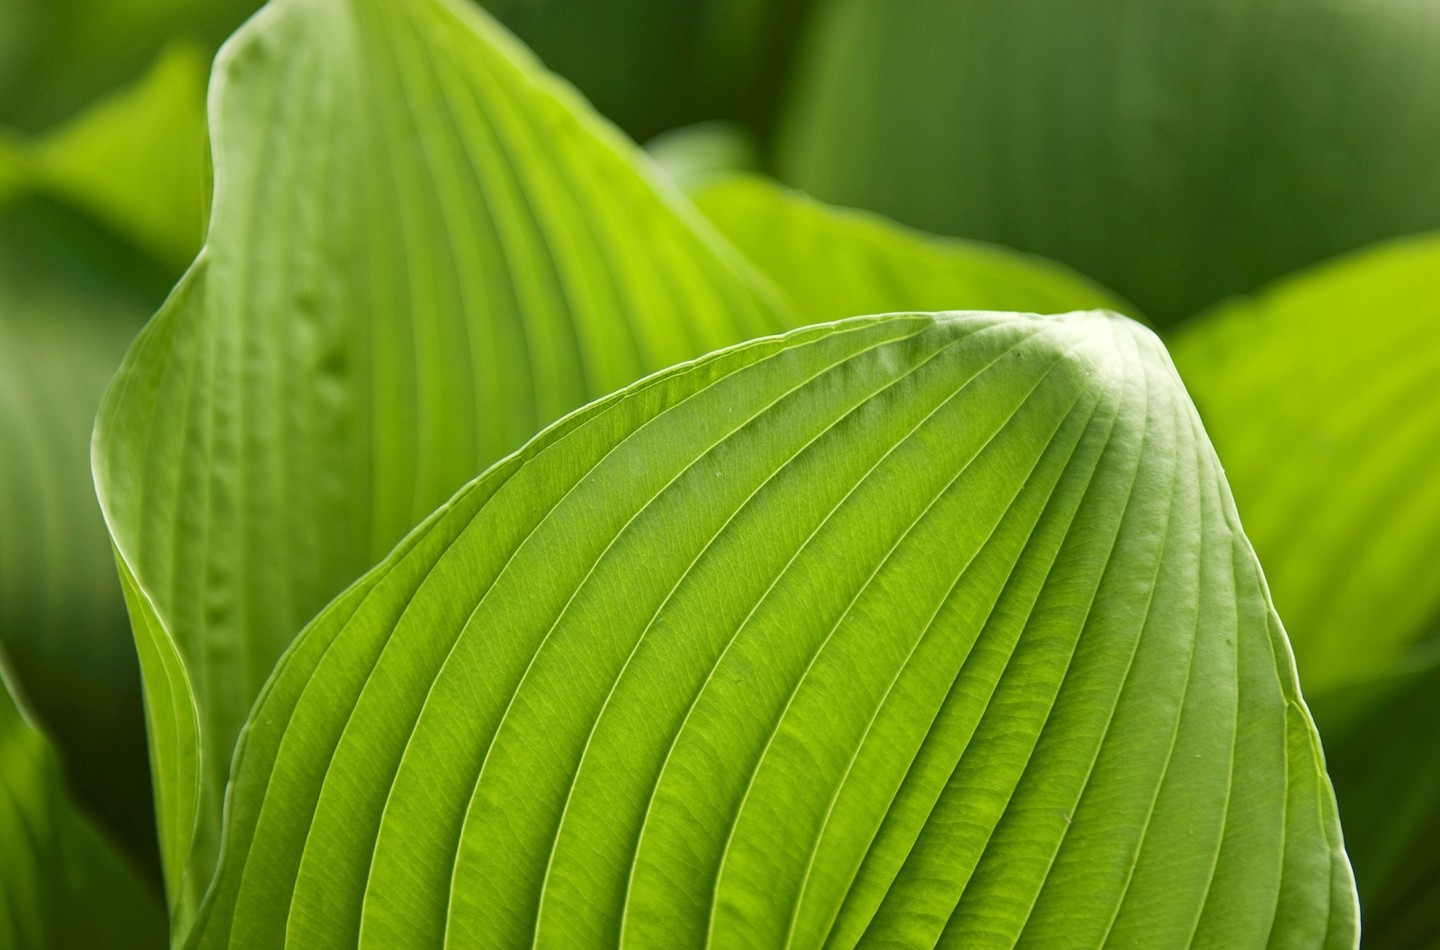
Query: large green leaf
(422, 249)
(1177, 151)
(904, 628)
(71, 299)
(61, 885)
(1321, 394)
(836, 263)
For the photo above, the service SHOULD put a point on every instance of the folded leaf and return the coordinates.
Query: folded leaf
(834, 263)
(903, 629)
(61, 885)
(71, 299)
(1178, 151)
(1321, 396)
(422, 249)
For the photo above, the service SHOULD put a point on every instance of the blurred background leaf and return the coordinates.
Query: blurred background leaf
(61, 885)
(57, 56)
(71, 297)
(834, 262)
(97, 219)
(135, 161)
(1178, 152)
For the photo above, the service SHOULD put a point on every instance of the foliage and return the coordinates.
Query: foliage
(790, 626)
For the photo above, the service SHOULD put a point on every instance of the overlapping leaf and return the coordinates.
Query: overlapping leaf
(835, 263)
(899, 629)
(1177, 151)
(1323, 400)
(61, 885)
(422, 249)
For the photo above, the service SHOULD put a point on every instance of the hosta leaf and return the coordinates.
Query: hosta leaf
(61, 885)
(71, 298)
(836, 263)
(422, 248)
(1321, 393)
(1178, 152)
(905, 628)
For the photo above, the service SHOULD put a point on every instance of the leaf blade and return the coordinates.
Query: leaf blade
(539, 720)
(422, 248)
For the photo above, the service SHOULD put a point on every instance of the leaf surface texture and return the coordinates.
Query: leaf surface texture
(905, 629)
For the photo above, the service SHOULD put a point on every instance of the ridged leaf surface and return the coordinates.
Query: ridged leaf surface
(898, 630)
(423, 248)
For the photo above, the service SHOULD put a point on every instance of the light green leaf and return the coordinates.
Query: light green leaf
(423, 248)
(1321, 395)
(71, 299)
(135, 161)
(835, 263)
(1178, 151)
(908, 628)
(61, 885)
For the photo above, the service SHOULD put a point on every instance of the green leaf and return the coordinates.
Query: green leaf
(907, 628)
(61, 885)
(1321, 397)
(422, 249)
(1334, 476)
(1178, 152)
(135, 161)
(836, 263)
(71, 299)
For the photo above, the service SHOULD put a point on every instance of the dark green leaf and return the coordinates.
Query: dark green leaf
(61, 885)
(1176, 150)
